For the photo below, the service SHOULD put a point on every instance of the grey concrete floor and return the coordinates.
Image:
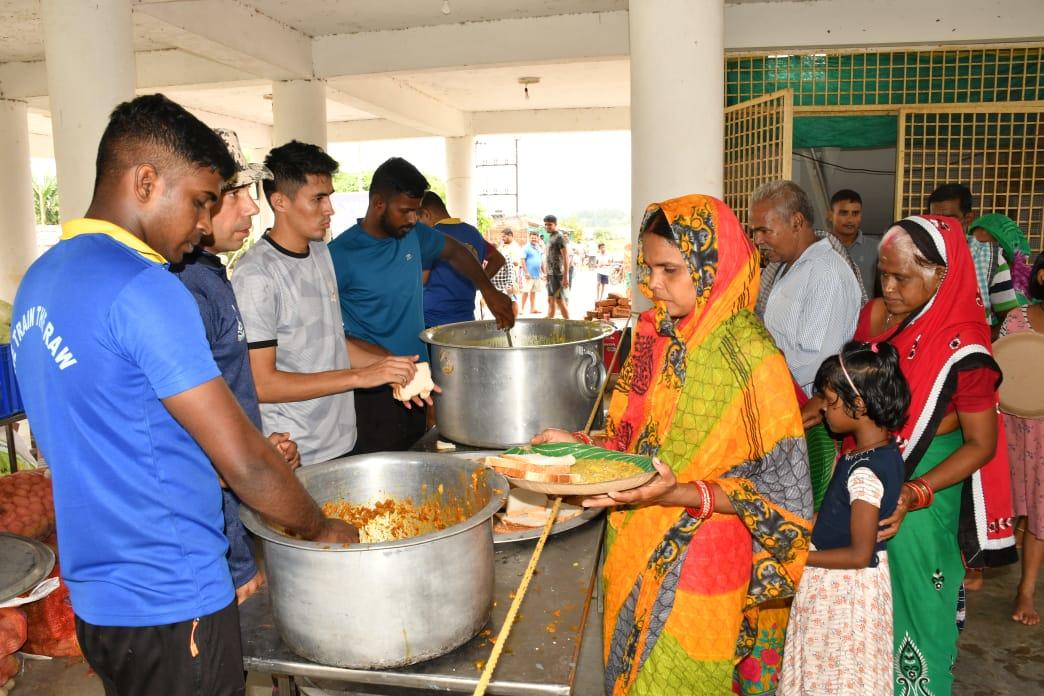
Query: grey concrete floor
(998, 657)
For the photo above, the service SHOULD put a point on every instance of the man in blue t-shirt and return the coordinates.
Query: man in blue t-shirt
(133, 417)
(449, 297)
(532, 265)
(203, 273)
(378, 263)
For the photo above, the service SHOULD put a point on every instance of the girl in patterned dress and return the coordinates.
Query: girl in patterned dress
(840, 636)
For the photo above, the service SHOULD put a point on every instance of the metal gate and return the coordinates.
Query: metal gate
(997, 150)
(759, 135)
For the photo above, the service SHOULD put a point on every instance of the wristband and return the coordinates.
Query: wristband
(583, 437)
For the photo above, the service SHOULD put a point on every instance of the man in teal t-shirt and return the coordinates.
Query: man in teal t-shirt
(378, 263)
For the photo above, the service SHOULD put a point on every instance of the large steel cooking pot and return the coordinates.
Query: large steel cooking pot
(495, 396)
(372, 606)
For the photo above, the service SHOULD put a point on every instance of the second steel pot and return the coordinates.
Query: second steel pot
(380, 605)
(494, 396)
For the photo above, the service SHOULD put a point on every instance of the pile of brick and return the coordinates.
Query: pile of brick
(615, 306)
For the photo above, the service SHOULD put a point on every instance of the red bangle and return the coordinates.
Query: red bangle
(583, 437)
(916, 503)
(706, 508)
(929, 491)
(922, 491)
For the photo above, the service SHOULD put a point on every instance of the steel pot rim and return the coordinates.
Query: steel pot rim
(605, 329)
(499, 492)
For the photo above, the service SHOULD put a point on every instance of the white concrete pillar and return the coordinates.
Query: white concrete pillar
(17, 229)
(677, 98)
(299, 112)
(461, 194)
(90, 69)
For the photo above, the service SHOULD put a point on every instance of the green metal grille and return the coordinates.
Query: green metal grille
(894, 77)
(999, 155)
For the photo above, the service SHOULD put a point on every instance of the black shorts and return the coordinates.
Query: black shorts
(159, 659)
(554, 287)
(384, 424)
(603, 279)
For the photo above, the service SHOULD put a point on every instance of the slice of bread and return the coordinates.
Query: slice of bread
(540, 463)
(548, 477)
(533, 467)
(421, 385)
(506, 467)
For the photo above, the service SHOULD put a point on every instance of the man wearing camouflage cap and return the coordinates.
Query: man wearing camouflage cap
(203, 273)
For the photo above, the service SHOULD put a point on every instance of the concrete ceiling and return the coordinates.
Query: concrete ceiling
(325, 17)
(604, 83)
(22, 36)
(404, 68)
(250, 102)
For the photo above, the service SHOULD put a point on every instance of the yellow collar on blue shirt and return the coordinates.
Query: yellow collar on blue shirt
(74, 228)
(449, 221)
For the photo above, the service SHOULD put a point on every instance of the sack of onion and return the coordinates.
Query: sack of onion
(26, 504)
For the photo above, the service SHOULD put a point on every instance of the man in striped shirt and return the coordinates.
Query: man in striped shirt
(991, 270)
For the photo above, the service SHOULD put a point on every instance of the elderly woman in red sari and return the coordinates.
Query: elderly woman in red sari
(957, 498)
(700, 560)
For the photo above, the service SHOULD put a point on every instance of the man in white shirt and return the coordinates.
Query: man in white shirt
(813, 306)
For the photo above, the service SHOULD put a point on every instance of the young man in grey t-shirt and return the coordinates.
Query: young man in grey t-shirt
(288, 299)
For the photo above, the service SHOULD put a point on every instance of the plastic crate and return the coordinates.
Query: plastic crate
(10, 398)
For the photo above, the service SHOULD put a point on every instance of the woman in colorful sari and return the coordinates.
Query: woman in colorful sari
(699, 562)
(932, 313)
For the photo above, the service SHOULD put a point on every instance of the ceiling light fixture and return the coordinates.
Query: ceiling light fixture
(525, 82)
(445, 7)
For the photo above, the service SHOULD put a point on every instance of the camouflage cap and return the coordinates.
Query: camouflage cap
(246, 173)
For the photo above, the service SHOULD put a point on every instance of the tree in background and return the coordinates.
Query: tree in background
(485, 222)
(45, 201)
(349, 182)
(577, 235)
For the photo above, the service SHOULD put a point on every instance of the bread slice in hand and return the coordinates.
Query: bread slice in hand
(421, 384)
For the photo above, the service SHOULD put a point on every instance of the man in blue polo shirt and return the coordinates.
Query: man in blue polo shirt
(449, 297)
(133, 417)
(378, 263)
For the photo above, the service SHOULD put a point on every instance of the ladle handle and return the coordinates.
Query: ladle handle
(520, 593)
(608, 372)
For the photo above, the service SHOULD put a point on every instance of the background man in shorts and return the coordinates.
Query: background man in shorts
(532, 269)
(557, 264)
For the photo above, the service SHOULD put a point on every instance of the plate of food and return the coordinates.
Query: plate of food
(571, 469)
(523, 516)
